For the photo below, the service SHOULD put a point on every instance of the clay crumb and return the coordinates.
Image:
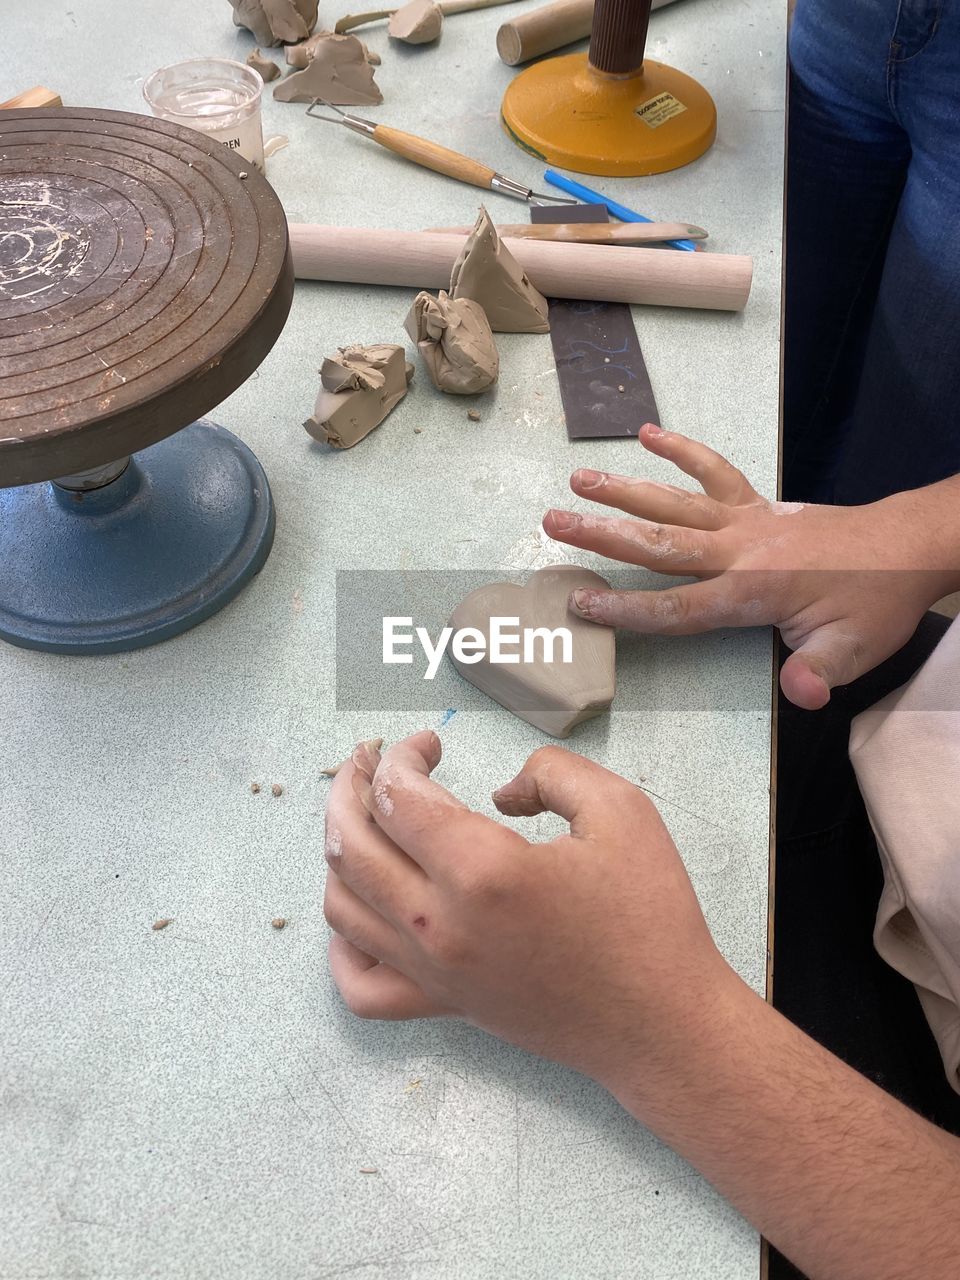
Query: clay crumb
(255, 788)
(473, 415)
(606, 359)
(279, 922)
(418, 431)
(276, 789)
(369, 1169)
(161, 924)
(621, 387)
(242, 174)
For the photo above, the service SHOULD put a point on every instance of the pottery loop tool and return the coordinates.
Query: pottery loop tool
(430, 155)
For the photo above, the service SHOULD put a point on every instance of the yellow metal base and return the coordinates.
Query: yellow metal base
(568, 114)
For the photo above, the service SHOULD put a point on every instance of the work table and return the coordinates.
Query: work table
(196, 1101)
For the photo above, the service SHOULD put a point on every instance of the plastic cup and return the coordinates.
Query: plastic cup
(215, 96)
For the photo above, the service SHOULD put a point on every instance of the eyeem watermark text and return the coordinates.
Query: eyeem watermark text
(507, 643)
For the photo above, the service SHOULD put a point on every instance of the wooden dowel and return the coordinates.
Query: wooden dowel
(543, 30)
(597, 273)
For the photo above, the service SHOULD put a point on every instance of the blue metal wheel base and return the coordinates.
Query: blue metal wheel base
(161, 548)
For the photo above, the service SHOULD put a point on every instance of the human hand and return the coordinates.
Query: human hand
(590, 949)
(846, 586)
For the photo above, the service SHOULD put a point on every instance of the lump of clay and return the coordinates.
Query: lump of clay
(266, 67)
(299, 55)
(276, 21)
(418, 22)
(553, 695)
(487, 272)
(358, 388)
(455, 342)
(338, 72)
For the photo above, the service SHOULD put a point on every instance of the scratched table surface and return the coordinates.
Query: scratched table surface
(196, 1102)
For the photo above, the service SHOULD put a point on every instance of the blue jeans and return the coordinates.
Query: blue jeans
(872, 321)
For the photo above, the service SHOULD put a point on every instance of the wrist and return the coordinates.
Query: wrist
(671, 1079)
(928, 522)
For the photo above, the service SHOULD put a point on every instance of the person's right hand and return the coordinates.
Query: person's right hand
(846, 586)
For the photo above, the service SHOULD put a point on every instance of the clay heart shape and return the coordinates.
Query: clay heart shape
(554, 695)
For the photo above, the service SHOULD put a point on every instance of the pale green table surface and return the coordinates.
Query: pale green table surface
(196, 1102)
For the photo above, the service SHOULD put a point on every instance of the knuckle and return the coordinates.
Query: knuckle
(546, 757)
(671, 608)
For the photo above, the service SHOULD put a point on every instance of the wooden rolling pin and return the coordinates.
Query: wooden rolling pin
(543, 30)
(591, 232)
(594, 272)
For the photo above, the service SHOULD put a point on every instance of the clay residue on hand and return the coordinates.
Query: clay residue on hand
(300, 55)
(266, 67)
(338, 72)
(455, 342)
(487, 272)
(417, 22)
(276, 22)
(358, 388)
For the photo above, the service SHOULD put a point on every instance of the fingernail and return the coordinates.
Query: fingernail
(563, 521)
(587, 479)
(366, 757)
(363, 791)
(653, 431)
(583, 600)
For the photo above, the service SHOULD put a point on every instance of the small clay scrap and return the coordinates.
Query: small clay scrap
(276, 789)
(279, 922)
(267, 68)
(276, 22)
(160, 924)
(455, 342)
(473, 415)
(358, 388)
(487, 272)
(337, 71)
(418, 22)
(553, 695)
(300, 55)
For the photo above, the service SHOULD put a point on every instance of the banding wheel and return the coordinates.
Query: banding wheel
(608, 111)
(144, 274)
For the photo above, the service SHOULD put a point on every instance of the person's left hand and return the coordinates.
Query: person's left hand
(590, 949)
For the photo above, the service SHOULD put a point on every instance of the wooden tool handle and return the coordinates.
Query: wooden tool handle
(543, 30)
(593, 272)
(432, 156)
(591, 232)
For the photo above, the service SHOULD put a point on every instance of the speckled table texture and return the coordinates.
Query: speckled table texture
(196, 1102)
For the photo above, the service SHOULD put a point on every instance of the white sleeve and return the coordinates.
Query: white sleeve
(906, 753)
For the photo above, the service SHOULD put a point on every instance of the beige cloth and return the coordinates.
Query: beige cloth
(906, 753)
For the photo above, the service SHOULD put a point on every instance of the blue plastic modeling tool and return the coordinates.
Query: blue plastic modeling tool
(618, 210)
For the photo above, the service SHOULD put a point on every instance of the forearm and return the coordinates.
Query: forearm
(844, 1180)
(933, 513)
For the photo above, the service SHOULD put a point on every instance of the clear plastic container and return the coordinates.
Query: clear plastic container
(215, 96)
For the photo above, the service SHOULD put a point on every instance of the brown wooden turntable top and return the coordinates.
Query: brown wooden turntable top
(144, 274)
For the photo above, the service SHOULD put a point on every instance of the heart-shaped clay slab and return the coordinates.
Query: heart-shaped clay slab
(553, 695)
